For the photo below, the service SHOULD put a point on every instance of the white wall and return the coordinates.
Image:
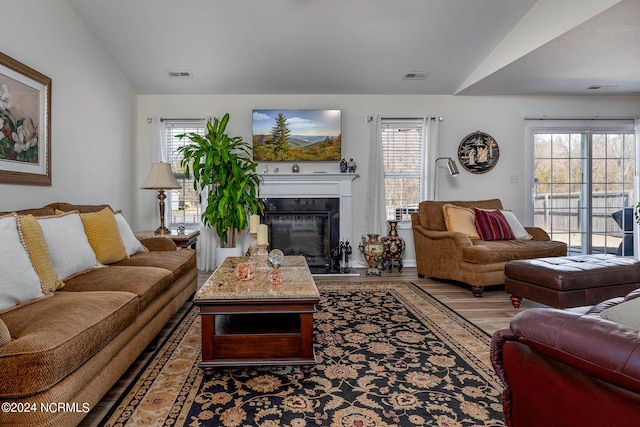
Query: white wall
(93, 108)
(502, 117)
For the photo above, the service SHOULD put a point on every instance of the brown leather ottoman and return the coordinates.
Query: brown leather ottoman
(571, 281)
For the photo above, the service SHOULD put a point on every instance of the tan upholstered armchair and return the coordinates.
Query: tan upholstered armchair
(454, 255)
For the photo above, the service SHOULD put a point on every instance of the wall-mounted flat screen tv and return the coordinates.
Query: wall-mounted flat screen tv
(297, 135)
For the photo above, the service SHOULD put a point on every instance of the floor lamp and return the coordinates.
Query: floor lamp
(453, 171)
(161, 178)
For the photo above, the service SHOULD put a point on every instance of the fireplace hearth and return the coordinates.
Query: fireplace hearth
(310, 214)
(309, 227)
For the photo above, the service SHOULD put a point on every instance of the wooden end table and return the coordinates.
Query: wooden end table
(250, 323)
(188, 239)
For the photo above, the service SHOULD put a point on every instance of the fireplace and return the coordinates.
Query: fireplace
(307, 226)
(309, 215)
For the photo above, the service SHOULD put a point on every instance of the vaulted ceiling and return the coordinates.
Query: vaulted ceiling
(489, 47)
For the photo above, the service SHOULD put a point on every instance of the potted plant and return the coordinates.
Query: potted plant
(223, 170)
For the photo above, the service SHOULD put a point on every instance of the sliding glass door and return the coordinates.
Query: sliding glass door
(583, 187)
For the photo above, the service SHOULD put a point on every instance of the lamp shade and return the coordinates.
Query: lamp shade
(451, 165)
(160, 178)
(453, 169)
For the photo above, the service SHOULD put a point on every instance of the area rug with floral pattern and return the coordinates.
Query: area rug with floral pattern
(389, 354)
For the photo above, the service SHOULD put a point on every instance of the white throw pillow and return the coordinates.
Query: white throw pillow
(518, 230)
(131, 242)
(19, 282)
(68, 244)
(626, 313)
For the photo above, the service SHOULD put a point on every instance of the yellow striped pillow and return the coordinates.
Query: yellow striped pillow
(39, 253)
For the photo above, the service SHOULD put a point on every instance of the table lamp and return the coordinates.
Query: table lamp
(161, 178)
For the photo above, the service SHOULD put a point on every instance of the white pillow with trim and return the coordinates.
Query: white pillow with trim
(19, 282)
(131, 242)
(518, 230)
(68, 244)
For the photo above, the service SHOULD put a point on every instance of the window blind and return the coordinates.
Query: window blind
(402, 152)
(184, 203)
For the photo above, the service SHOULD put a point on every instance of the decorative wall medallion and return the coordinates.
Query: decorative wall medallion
(478, 152)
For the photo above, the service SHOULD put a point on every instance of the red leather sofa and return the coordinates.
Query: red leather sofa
(562, 368)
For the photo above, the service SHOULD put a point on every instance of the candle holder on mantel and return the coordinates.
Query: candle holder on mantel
(253, 243)
(261, 256)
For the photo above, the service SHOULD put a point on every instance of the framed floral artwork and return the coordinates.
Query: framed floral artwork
(25, 124)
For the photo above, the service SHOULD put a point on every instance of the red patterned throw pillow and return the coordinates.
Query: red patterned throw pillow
(492, 225)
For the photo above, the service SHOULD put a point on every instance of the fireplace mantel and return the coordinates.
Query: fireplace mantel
(292, 185)
(275, 177)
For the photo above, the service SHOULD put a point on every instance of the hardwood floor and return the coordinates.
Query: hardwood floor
(490, 312)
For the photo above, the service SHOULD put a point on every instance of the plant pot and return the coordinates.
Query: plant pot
(223, 253)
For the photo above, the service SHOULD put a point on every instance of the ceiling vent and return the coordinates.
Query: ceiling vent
(186, 74)
(415, 75)
(597, 87)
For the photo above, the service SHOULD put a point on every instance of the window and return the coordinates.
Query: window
(583, 186)
(403, 153)
(183, 203)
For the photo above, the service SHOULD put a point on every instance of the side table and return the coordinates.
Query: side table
(188, 239)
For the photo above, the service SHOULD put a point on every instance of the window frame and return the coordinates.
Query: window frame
(170, 128)
(400, 124)
(584, 127)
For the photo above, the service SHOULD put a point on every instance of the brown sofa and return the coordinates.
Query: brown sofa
(564, 368)
(66, 351)
(452, 255)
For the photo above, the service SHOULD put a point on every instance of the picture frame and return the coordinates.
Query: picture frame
(478, 152)
(297, 135)
(25, 124)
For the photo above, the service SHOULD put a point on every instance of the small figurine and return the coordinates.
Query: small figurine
(343, 166)
(352, 166)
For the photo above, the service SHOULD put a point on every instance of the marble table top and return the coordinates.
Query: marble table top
(224, 284)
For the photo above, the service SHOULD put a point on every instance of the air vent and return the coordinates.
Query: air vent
(596, 87)
(415, 75)
(180, 74)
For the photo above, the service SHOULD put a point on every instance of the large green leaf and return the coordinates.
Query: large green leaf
(223, 164)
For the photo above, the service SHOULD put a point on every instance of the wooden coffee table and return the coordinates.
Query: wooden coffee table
(248, 323)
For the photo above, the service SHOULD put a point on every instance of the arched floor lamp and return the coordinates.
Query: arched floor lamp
(453, 171)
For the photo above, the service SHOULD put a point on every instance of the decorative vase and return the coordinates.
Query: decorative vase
(245, 271)
(275, 276)
(373, 252)
(393, 248)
